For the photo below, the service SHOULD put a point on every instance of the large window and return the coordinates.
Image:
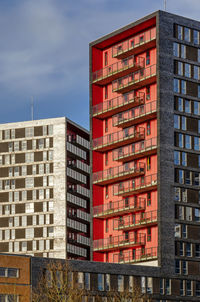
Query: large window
(176, 157)
(101, 282)
(120, 283)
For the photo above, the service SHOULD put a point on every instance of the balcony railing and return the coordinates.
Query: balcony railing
(120, 138)
(119, 242)
(137, 255)
(140, 184)
(120, 68)
(116, 208)
(138, 220)
(135, 80)
(131, 169)
(134, 43)
(135, 115)
(136, 150)
(117, 104)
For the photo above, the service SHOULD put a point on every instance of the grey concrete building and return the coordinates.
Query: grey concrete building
(44, 189)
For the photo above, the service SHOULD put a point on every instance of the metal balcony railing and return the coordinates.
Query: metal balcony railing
(135, 255)
(118, 138)
(118, 242)
(137, 220)
(135, 114)
(134, 42)
(135, 150)
(140, 184)
(132, 169)
(109, 73)
(134, 80)
(126, 205)
(125, 101)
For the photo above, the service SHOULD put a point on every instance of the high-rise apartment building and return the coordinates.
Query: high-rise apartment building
(145, 119)
(44, 189)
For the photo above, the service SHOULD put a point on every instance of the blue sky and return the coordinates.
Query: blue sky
(44, 51)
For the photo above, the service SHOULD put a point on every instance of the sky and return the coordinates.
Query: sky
(44, 52)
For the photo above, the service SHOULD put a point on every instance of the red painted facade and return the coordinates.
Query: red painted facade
(124, 123)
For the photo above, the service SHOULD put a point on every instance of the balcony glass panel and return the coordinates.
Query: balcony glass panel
(135, 255)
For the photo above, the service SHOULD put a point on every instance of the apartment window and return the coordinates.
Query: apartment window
(176, 86)
(106, 92)
(195, 37)
(148, 93)
(198, 91)
(50, 127)
(29, 182)
(7, 134)
(148, 199)
(197, 214)
(188, 249)
(107, 225)
(197, 292)
(16, 171)
(183, 51)
(29, 132)
(188, 177)
(10, 147)
(148, 163)
(101, 282)
(181, 176)
(176, 121)
(148, 57)
(184, 159)
(183, 123)
(198, 55)
(149, 285)
(177, 194)
(180, 32)
(41, 143)
(176, 49)
(181, 248)
(182, 287)
(50, 180)
(148, 128)
(196, 73)
(168, 287)
(180, 68)
(87, 281)
(184, 231)
(197, 250)
(196, 179)
(16, 146)
(29, 157)
(183, 87)
(196, 108)
(106, 58)
(188, 144)
(120, 281)
(106, 125)
(29, 207)
(187, 34)
(187, 106)
(188, 288)
(50, 155)
(149, 234)
(16, 196)
(161, 286)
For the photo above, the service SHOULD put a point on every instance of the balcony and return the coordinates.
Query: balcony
(135, 45)
(119, 173)
(136, 256)
(127, 205)
(135, 80)
(136, 221)
(136, 150)
(117, 139)
(135, 115)
(118, 69)
(135, 186)
(120, 103)
(119, 242)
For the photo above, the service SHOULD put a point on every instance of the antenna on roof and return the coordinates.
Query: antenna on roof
(165, 5)
(32, 107)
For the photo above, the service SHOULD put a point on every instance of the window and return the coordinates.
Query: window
(187, 106)
(197, 292)
(188, 142)
(183, 51)
(188, 288)
(188, 249)
(106, 92)
(195, 37)
(197, 250)
(180, 68)
(161, 286)
(176, 121)
(148, 199)
(29, 182)
(181, 248)
(181, 176)
(29, 233)
(29, 157)
(177, 194)
(80, 280)
(148, 93)
(183, 123)
(176, 49)
(196, 73)
(176, 86)
(148, 57)
(87, 281)
(188, 177)
(143, 285)
(148, 128)
(100, 282)
(120, 283)
(29, 207)
(187, 34)
(149, 234)
(196, 143)
(198, 91)
(183, 87)
(106, 58)
(197, 214)
(148, 163)
(180, 104)
(130, 284)
(107, 282)
(196, 108)
(168, 287)
(198, 55)
(180, 32)
(50, 127)
(149, 285)
(182, 287)
(184, 231)
(29, 132)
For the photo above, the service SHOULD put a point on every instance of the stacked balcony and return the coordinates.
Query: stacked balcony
(135, 115)
(120, 103)
(135, 186)
(117, 139)
(118, 69)
(136, 256)
(127, 205)
(135, 80)
(136, 150)
(119, 242)
(139, 220)
(135, 45)
(119, 173)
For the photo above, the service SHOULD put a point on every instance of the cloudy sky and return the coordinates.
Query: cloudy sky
(44, 51)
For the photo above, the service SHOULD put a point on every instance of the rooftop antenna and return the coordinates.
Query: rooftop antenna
(165, 5)
(32, 107)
